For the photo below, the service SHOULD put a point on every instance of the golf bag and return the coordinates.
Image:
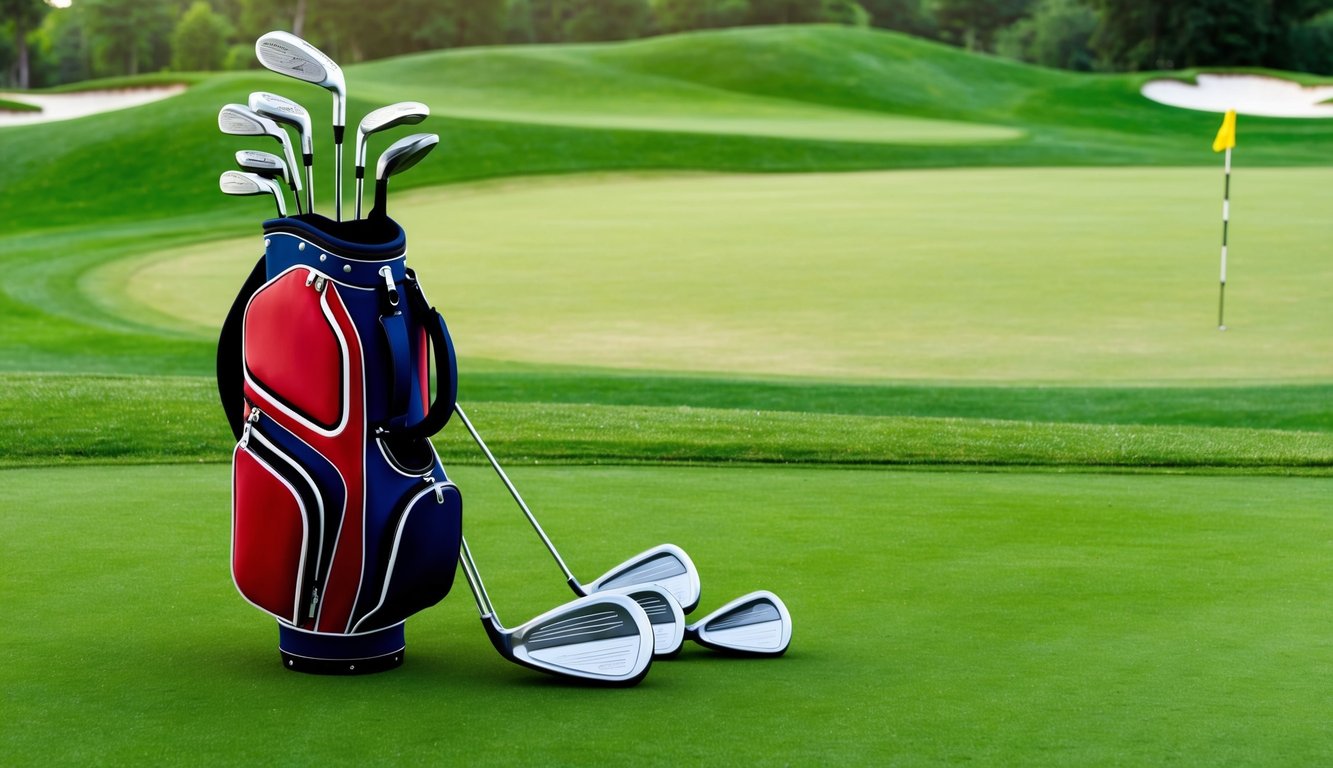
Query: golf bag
(343, 521)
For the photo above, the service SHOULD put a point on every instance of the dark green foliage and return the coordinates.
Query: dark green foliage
(200, 39)
(1057, 34)
(910, 16)
(607, 20)
(21, 17)
(686, 15)
(973, 24)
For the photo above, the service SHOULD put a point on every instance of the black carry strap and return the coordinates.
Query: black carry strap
(231, 356)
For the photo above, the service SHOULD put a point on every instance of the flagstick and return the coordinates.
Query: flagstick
(1226, 214)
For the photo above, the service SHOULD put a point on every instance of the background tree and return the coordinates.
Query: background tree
(22, 17)
(604, 20)
(910, 16)
(785, 12)
(973, 24)
(128, 36)
(200, 39)
(685, 15)
(1057, 34)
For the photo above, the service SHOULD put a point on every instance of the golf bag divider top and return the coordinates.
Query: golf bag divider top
(343, 521)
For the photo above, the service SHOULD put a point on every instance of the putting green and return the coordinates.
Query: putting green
(1038, 275)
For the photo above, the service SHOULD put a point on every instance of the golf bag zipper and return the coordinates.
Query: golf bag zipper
(310, 499)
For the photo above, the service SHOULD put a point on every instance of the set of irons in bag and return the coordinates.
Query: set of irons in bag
(343, 520)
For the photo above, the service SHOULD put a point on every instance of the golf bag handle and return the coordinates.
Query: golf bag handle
(446, 369)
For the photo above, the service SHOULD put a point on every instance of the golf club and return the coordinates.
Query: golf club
(400, 156)
(268, 165)
(240, 120)
(756, 624)
(289, 55)
(283, 110)
(245, 184)
(665, 565)
(664, 614)
(603, 639)
(382, 119)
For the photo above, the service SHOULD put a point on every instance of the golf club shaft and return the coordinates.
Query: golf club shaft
(569, 576)
(309, 183)
(474, 580)
(338, 177)
(360, 189)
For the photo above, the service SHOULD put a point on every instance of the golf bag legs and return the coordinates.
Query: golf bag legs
(341, 654)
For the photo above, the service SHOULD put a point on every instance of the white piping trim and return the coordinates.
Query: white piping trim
(397, 540)
(305, 537)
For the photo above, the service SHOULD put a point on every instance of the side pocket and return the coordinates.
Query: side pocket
(277, 524)
(420, 558)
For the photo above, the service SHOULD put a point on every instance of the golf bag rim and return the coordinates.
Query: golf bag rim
(359, 240)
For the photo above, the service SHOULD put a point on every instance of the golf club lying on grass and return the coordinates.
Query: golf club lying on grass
(289, 55)
(382, 119)
(281, 110)
(756, 624)
(268, 165)
(240, 120)
(604, 639)
(245, 184)
(665, 566)
(400, 156)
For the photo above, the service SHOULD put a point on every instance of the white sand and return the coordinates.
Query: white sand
(66, 106)
(1247, 94)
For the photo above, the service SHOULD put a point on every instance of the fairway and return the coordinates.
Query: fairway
(1024, 619)
(1033, 275)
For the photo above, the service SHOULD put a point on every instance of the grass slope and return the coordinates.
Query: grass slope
(1016, 619)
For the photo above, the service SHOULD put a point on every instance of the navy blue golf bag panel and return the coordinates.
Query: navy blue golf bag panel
(343, 520)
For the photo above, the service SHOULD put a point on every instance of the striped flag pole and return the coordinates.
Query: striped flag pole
(1226, 215)
(1226, 139)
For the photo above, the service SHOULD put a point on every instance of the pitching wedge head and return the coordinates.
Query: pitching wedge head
(664, 614)
(384, 118)
(286, 111)
(404, 154)
(603, 639)
(289, 55)
(756, 624)
(665, 565)
(246, 184)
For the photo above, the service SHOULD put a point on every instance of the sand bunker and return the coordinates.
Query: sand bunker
(66, 106)
(1247, 94)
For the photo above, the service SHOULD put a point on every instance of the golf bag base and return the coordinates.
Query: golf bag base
(341, 654)
(344, 523)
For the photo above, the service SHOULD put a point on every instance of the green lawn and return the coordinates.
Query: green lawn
(1023, 619)
(965, 410)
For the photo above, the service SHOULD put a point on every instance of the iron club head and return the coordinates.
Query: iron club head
(400, 156)
(245, 184)
(665, 565)
(240, 120)
(382, 119)
(756, 624)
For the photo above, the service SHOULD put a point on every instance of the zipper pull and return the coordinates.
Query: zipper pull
(320, 283)
(439, 492)
(391, 290)
(250, 421)
(314, 602)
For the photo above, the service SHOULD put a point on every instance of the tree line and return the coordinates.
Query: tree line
(45, 45)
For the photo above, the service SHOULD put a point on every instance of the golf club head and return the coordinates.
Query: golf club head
(265, 164)
(384, 118)
(246, 184)
(665, 565)
(664, 614)
(756, 624)
(240, 120)
(604, 639)
(400, 156)
(284, 110)
(289, 55)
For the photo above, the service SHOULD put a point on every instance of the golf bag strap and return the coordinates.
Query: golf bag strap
(231, 361)
(446, 368)
(394, 327)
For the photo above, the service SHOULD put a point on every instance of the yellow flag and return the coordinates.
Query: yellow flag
(1226, 135)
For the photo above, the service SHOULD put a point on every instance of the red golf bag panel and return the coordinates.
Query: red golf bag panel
(292, 340)
(344, 523)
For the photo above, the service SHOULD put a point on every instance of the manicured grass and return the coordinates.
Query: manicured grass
(1031, 275)
(1017, 619)
(7, 105)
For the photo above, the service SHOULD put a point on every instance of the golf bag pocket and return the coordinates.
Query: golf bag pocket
(273, 508)
(293, 342)
(416, 562)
